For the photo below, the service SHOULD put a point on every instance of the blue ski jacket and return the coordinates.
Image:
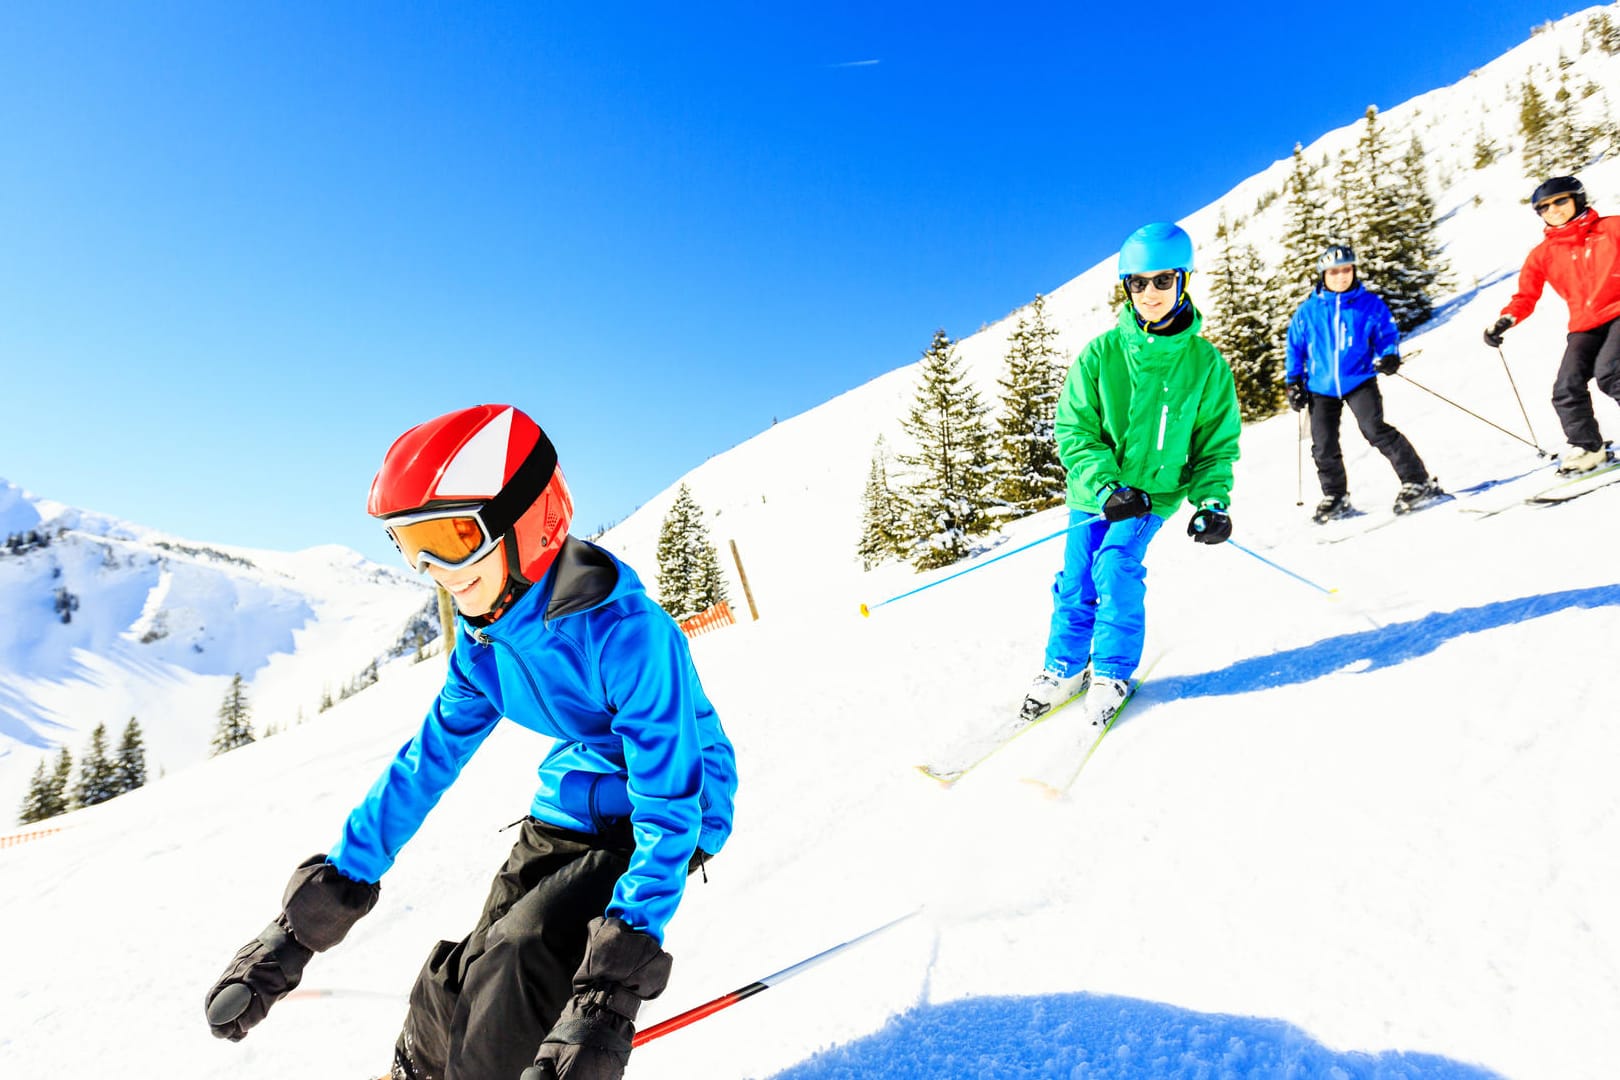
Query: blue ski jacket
(587, 658)
(1334, 338)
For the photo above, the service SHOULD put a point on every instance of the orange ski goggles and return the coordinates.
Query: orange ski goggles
(451, 537)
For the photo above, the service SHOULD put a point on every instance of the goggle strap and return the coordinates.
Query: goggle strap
(502, 511)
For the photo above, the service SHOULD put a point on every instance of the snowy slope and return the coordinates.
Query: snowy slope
(161, 626)
(1371, 835)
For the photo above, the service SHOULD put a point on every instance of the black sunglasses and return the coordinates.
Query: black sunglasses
(1138, 284)
(1543, 207)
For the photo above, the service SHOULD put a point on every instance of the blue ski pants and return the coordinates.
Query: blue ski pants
(1099, 598)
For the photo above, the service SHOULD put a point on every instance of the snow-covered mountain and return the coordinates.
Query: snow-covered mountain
(1371, 835)
(105, 621)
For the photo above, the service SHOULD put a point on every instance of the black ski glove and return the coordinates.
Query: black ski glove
(1493, 336)
(1210, 525)
(317, 910)
(1126, 502)
(1387, 364)
(1298, 396)
(591, 1039)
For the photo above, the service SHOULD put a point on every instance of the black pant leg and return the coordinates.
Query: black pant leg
(1606, 365)
(1367, 404)
(1325, 451)
(448, 992)
(1571, 398)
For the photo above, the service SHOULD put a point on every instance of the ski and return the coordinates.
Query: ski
(1331, 535)
(1576, 486)
(1061, 769)
(974, 749)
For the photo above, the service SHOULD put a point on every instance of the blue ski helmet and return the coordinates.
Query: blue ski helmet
(1337, 255)
(1559, 185)
(1159, 246)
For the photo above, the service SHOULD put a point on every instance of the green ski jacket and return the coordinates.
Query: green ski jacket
(1155, 413)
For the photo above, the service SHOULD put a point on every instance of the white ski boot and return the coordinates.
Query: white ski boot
(1574, 460)
(1104, 699)
(1051, 689)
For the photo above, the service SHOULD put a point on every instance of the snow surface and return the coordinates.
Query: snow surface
(1375, 834)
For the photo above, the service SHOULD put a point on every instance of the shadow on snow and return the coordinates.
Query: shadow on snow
(1372, 649)
(1098, 1037)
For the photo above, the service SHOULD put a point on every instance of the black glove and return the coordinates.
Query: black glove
(1210, 525)
(591, 1039)
(1493, 336)
(317, 910)
(1387, 364)
(1298, 396)
(1126, 502)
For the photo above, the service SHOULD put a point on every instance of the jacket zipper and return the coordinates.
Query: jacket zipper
(534, 687)
(1338, 344)
(1164, 418)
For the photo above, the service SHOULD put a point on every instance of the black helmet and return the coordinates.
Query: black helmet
(1337, 255)
(1559, 185)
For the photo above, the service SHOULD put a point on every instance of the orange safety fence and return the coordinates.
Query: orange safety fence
(704, 621)
(24, 837)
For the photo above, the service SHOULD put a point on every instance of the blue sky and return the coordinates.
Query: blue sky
(246, 246)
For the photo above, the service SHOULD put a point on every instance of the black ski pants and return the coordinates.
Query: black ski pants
(1590, 354)
(481, 1005)
(1367, 406)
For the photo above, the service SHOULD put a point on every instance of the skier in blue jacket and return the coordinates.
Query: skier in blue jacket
(1340, 339)
(558, 636)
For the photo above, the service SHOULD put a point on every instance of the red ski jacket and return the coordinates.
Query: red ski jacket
(1580, 259)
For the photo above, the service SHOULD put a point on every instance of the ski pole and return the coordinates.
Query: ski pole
(692, 1016)
(1284, 569)
(1299, 460)
(1476, 415)
(1520, 400)
(867, 611)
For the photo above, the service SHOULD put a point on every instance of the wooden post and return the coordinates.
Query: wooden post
(447, 623)
(749, 593)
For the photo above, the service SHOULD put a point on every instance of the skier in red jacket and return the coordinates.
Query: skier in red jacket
(1580, 259)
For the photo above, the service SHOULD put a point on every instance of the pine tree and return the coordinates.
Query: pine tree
(1305, 236)
(235, 726)
(60, 777)
(689, 577)
(98, 775)
(1415, 266)
(131, 765)
(1536, 126)
(947, 492)
(882, 514)
(1240, 323)
(47, 791)
(1485, 150)
(1031, 478)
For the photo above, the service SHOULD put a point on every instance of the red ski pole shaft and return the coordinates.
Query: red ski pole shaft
(724, 1001)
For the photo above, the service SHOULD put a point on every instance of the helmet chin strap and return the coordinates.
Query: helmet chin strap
(511, 592)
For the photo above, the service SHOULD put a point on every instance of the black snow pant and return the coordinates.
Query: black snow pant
(1590, 354)
(481, 1005)
(1367, 405)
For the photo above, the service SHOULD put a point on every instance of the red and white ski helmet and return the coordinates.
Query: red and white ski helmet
(490, 457)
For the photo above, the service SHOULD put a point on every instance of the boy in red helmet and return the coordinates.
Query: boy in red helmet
(557, 635)
(1580, 258)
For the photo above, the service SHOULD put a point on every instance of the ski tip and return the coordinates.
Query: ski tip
(866, 612)
(1043, 789)
(945, 782)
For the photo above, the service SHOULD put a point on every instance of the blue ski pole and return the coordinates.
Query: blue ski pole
(867, 611)
(1283, 569)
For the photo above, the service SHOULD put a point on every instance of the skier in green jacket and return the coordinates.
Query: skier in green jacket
(1148, 417)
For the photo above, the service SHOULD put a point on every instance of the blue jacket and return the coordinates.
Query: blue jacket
(587, 658)
(1334, 338)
